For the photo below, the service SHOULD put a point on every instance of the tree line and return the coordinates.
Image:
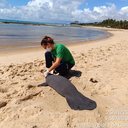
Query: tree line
(112, 23)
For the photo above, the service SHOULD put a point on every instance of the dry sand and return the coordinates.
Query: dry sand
(104, 78)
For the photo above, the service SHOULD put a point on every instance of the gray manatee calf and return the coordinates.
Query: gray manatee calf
(65, 88)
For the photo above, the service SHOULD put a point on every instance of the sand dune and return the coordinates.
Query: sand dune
(104, 78)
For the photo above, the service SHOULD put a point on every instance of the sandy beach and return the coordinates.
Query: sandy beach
(102, 67)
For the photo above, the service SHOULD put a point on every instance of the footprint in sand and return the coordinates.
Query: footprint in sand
(3, 90)
(2, 104)
(2, 81)
(28, 97)
(34, 126)
(1, 72)
(14, 83)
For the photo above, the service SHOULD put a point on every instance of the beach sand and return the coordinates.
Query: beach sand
(102, 75)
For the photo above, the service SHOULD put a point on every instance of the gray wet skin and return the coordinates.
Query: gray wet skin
(75, 99)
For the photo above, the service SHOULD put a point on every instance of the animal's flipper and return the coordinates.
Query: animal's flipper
(42, 84)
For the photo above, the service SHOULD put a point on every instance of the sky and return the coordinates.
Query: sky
(64, 10)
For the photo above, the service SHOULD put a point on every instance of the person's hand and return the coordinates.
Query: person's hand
(46, 73)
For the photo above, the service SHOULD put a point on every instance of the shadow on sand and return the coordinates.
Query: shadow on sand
(74, 73)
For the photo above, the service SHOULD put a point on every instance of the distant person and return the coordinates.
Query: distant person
(57, 56)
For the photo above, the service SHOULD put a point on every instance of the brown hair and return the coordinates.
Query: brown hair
(47, 40)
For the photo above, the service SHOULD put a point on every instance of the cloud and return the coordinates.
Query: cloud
(61, 10)
(124, 11)
(3, 3)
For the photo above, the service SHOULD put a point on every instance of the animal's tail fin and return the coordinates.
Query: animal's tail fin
(81, 104)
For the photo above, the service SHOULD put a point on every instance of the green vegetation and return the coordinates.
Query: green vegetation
(106, 23)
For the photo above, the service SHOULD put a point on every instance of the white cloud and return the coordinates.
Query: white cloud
(3, 3)
(61, 10)
(104, 12)
(40, 3)
(124, 11)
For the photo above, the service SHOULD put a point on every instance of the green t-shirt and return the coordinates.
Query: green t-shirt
(60, 51)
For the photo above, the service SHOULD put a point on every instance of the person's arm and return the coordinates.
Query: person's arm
(55, 64)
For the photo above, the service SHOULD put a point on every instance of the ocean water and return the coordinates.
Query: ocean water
(14, 36)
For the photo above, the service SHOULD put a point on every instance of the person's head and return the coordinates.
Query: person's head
(47, 42)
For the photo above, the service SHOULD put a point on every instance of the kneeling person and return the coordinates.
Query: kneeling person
(57, 56)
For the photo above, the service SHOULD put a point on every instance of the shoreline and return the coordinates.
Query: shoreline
(30, 54)
(20, 50)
